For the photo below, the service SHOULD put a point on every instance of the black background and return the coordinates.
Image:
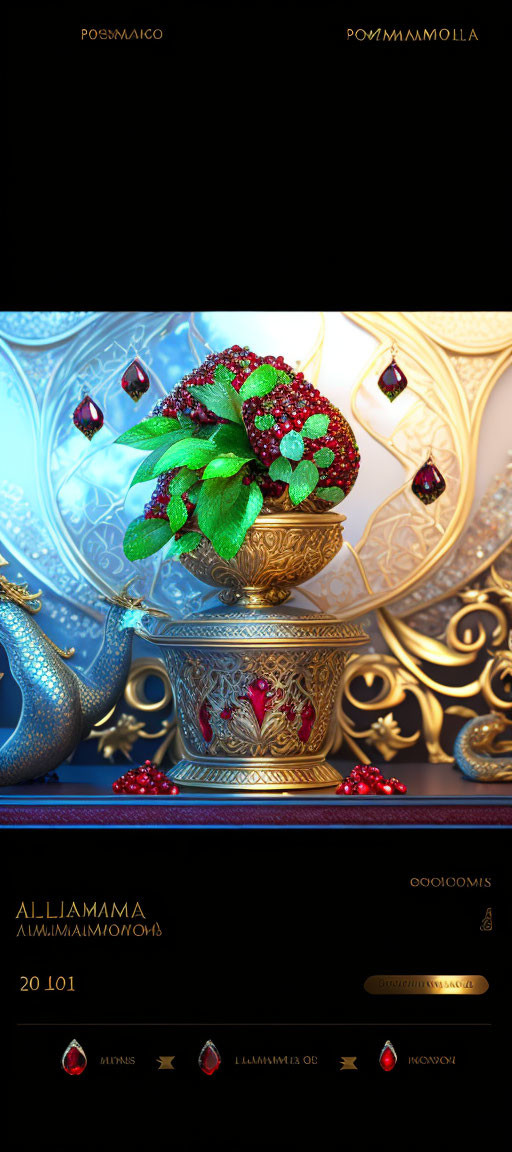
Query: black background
(267, 939)
(254, 154)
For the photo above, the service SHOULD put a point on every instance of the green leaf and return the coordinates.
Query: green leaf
(280, 469)
(259, 383)
(232, 438)
(220, 398)
(292, 446)
(225, 465)
(264, 422)
(223, 375)
(147, 434)
(186, 422)
(203, 431)
(192, 452)
(230, 531)
(143, 537)
(184, 479)
(177, 513)
(283, 377)
(316, 426)
(145, 470)
(186, 543)
(324, 457)
(207, 431)
(334, 495)
(303, 481)
(193, 493)
(215, 501)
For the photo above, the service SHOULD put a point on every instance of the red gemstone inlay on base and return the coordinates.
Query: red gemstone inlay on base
(308, 717)
(392, 381)
(74, 1060)
(204, 721)
(388, 1057)
(259, 694)
(209, 1058)
(135, 380)
(87, 417)
(428, 484)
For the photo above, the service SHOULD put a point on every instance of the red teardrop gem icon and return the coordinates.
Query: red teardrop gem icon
(87, 417)
(135, 380)
(209, 1058)
(74, 1060)
(388, 1057)
(392, 381)
(428, 484)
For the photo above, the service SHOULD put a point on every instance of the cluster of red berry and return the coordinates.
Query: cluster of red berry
(365, 780)
(148, 779)
(289, 405)
(239, 360)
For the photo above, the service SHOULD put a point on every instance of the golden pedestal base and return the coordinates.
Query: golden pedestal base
(256, 678)
(256, 775)
(256, 695)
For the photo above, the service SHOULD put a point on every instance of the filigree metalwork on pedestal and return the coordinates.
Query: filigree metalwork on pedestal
(255, 695)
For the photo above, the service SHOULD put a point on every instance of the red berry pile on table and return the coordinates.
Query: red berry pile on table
(365, 780)
(146, 780)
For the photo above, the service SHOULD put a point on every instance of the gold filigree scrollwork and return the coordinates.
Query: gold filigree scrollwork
(121, 736)
(385, 733)
(465, 644)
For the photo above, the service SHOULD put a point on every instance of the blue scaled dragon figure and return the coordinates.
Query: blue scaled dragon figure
(478, 752)
(60, 704)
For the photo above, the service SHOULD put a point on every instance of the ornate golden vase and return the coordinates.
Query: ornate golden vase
(279, 552)
(255, 678)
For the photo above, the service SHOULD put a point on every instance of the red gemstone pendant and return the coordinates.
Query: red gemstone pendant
(88, 418)
(74, 1060)
(428, 484)
(392, 381)
(209, 1058)
(388, 1057)
(135, 380)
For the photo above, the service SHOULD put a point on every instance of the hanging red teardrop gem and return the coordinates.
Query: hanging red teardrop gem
(87, 417)
(209, 1058)
(392, 381)
(135, 380)
(74, 1060)
(388, 1057)
(428, 484)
